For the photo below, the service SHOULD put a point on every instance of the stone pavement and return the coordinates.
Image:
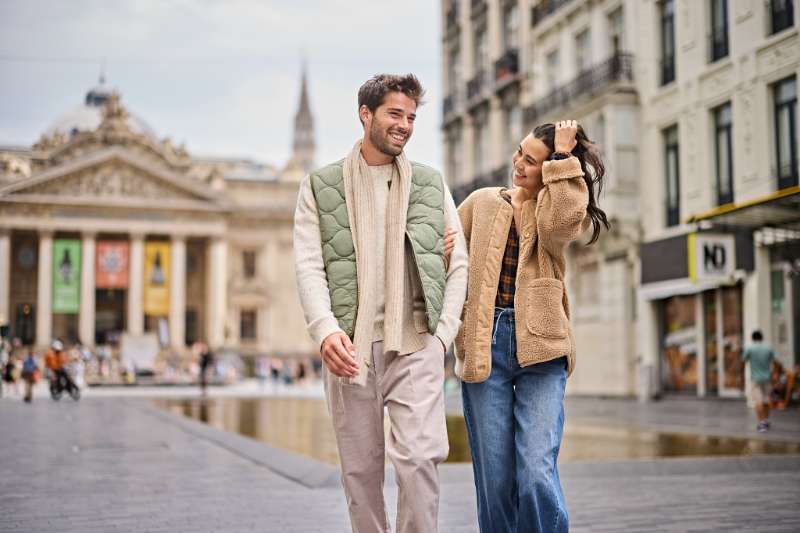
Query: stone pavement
(118, 464)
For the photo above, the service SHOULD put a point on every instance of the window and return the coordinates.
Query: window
(481, 52)
(510, 27)
(723, 140)
(247, 325)
(552, 69)
(481, 161)
(454, 71)
(582, 51)
(785, 96)
(673, 182)
(249, 264)
(512, 128)
(667, 42)
(616, 30)
(719, 29)
(781, 15)
(454, 155)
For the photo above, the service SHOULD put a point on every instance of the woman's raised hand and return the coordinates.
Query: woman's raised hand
(566, 131)
(449, 244)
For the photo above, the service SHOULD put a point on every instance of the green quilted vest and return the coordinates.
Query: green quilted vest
(424, 228)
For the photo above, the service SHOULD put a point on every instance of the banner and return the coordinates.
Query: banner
(111, 265)
(156, 278)
(66, 276)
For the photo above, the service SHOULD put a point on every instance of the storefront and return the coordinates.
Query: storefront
(693, 285)
(774, 223)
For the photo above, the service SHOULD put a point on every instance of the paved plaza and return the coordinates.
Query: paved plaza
(111, 463)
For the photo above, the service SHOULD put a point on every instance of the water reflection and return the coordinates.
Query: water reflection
(302, 425)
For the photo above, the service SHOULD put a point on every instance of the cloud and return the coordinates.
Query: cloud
(221, 76)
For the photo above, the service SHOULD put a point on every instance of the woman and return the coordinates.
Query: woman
(514, 377)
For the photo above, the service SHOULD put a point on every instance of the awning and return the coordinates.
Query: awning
(780, 210)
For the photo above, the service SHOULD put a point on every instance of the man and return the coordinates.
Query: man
(760, 356)
(56, 361)
(382, 306)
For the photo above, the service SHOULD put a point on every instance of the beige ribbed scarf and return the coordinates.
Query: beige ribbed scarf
(359, 190)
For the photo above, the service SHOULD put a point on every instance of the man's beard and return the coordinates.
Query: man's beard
(382, 142)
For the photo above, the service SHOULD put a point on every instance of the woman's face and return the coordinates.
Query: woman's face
(527, 162)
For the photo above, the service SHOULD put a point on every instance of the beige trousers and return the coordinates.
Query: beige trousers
(411, 387)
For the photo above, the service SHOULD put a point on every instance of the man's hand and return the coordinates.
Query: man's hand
(339, 355)
(566, 130)
(449, 245)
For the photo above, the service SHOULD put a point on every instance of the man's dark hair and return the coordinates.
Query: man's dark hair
(375, 89)
(758, 336)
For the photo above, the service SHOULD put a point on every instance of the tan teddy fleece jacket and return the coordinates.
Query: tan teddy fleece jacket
(549, 223)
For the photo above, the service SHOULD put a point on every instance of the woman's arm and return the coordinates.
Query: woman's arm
(561, 207)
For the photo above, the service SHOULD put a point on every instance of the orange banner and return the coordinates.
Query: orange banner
(111, 265)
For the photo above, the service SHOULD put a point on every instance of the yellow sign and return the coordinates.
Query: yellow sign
(156, 278)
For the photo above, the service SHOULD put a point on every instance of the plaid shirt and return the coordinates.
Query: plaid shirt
(508, 272)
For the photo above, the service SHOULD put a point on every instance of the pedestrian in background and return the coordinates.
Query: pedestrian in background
(760, 356)
(10, 375)
(30, 373)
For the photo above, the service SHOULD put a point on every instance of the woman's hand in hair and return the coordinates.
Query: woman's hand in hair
(566, 131)
(449, 244)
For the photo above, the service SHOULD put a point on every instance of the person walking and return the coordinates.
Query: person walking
(30, 373)
(760, 355)
(515, 347)
(382, 307)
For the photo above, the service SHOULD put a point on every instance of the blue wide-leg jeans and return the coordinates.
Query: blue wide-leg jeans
(515, 420)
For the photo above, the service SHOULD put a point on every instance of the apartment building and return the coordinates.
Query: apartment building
(511, 65)
(717, 81)
(693, 105)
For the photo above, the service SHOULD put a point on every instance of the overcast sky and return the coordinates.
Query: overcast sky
(222, 76)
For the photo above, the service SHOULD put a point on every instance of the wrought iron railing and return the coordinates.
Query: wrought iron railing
(618, 67)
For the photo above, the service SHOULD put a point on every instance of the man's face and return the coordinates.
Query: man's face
(390, 127)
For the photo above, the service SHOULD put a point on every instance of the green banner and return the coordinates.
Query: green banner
(66, 276)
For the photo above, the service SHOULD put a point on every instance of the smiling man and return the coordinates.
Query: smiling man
(382, 306)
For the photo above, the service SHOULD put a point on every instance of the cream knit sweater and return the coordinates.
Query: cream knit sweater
(313, 286)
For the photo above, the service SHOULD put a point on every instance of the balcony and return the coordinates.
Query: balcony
(544, 9)
(618, 68)
(506, 68)
(475, 86)
(499, 177)
(478, 8)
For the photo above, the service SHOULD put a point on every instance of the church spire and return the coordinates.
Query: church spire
(303, 146)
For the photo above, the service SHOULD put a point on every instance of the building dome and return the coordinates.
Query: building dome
(87, 117)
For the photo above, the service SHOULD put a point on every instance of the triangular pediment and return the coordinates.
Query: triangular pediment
(114, 177)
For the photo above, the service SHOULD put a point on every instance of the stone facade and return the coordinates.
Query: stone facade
(101, 175)
(627, 70)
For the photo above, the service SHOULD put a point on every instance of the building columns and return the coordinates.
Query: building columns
(5, 277)
(86, 318)
(177, 296)
(44, 291)
(216, 292)
(136, 286)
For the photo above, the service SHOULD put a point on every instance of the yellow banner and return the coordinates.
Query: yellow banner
(156, 278)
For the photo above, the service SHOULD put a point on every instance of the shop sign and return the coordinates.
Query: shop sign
(711, 256)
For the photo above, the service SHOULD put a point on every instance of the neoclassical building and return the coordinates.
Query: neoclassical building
(106, 229)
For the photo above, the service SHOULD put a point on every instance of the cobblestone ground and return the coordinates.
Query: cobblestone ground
(115, 464)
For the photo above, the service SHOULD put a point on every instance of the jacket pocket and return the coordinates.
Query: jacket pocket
(544, 309)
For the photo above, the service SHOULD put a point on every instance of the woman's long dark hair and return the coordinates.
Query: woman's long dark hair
(588, 155)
